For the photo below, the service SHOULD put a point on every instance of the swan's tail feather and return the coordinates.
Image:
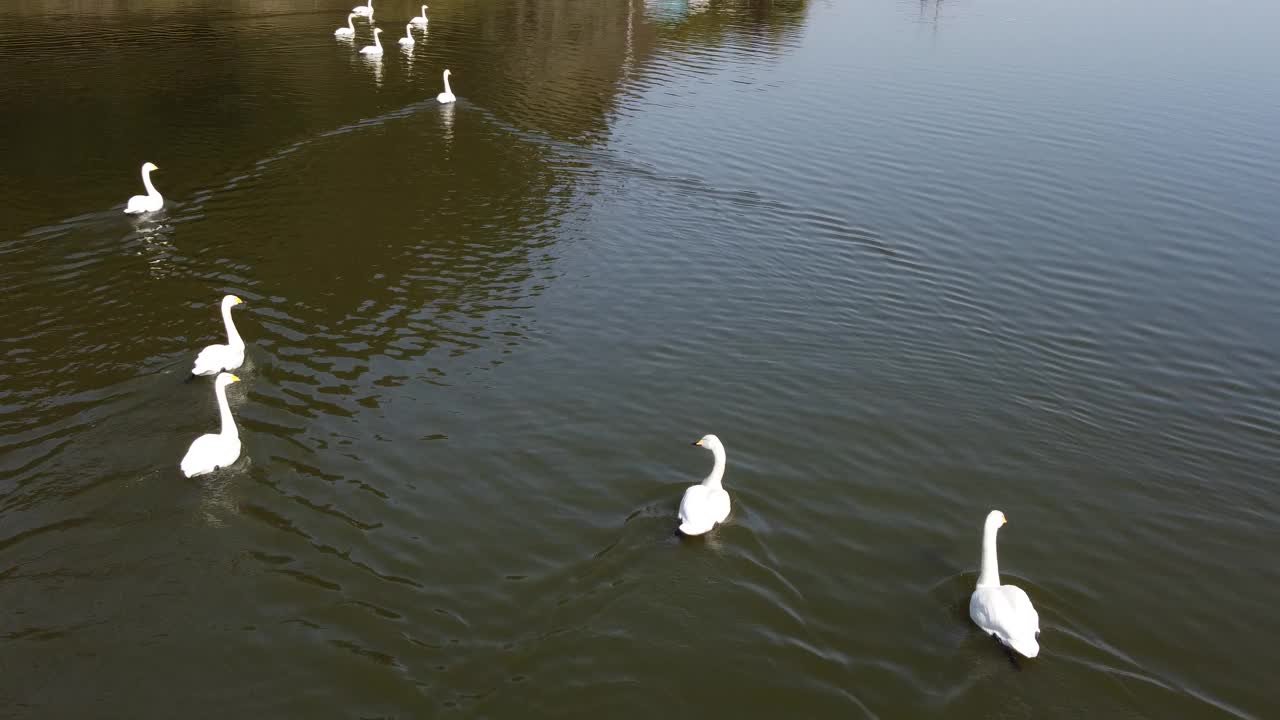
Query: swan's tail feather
(1025, 646)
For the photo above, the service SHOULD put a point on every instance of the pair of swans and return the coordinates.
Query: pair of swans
(376, 48)
(1002, 611)
(214, 450)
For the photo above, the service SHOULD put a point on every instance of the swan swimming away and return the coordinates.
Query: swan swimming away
(421, 19)
(1002, 610)
(217, 358)
(706, 503)
(212, 451)
(447, 95)
(376, 47)
(349, 30)
(150, 202)
(407, 40)
(364, 10)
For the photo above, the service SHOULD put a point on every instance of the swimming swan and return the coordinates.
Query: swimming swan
(407, 40)
(1002, 610)
(217, 358)
(707, 503)
(421, 19)
(376, 47)
(447, 95)
(210, 452)
(349, 30)
(364, 10)
(150, 202)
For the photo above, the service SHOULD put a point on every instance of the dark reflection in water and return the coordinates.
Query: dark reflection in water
(909, 260)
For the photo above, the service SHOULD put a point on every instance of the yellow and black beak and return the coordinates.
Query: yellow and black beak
(698, 443)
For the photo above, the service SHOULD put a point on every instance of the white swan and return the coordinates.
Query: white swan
(407, 40)
(1002, 610)
(217, 358)
(447, 95)
(376, 47)
(210, 452)
(349, 30)
(364, 10)
(150, 202)
(421, 19)
(707, 503)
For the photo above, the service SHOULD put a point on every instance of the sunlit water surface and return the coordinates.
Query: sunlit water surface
(910, 261)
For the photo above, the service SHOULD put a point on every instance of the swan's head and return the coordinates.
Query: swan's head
(225, 379)
(148, 167)
(710, 442)
(377, 31)
(995, 519)
(447, 72)
(230, 301)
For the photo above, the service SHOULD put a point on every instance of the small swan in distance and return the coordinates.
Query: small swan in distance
(150, 202)
(706, 503)
(376, 47)
(210, 452)
(217, 358)
(364, 10)
(447, 95)
(1003, 611)
(421, 19)
(349, 30)
(407, 40)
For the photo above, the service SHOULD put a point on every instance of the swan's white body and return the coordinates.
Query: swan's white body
(376, 47)
(1004, 611)
(217, 358)
(407, 40)
(447, 95)
(212, 451)
(349, 30)
(150, 202)
(421, 19)
(364, 10)
(706, 503)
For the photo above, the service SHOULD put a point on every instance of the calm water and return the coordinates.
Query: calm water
(910, 261)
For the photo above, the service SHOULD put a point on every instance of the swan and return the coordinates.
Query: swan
(407, 40)
(364, 10)
(1002, 610)
(217, 358)
(421, 19)
(447, 95)
(150, 202)
(706, 503)
(210, 452)
(376, 47)
(349, 30)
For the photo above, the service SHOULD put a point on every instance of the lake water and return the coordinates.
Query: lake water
(911, 261)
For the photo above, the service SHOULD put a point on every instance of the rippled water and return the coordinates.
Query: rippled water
(910, 261)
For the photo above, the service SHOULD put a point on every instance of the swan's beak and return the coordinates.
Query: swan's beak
(1003, 520)
(235, 379)
(698, 443)
(237, 301)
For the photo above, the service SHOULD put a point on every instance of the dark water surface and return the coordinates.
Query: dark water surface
(910, 261)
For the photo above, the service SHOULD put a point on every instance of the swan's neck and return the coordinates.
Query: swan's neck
(351, 25)
(447, 91)
(990, 574)
(717, 471)
(233, 335)
(376, 40)
(146, 182)
(228, 422)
